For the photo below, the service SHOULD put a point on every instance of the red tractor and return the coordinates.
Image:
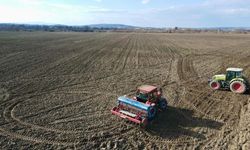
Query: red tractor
(142, 108)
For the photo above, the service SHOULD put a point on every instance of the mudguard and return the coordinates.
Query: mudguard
(238, 79)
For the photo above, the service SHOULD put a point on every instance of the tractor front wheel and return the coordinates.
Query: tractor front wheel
(238, 87)
(215, 85)
(163, 104)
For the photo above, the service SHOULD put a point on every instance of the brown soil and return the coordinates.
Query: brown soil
(57, 89)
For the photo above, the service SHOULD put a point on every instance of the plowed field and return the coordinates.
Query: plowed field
(57, 89)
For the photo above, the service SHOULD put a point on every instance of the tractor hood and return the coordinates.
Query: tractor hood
(219, 77)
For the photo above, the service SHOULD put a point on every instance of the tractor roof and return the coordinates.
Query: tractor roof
(235, 69)
(147, 88)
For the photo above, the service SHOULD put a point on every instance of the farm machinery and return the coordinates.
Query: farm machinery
(143, 107)
(233, 80)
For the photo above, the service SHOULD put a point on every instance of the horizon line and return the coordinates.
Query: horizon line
(56, 24)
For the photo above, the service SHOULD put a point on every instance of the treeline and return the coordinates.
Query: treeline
(115, 28)
(50, 28)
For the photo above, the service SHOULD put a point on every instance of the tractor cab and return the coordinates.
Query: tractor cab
(147, 93)
(233, 73)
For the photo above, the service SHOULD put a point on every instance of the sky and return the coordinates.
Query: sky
(144, 13)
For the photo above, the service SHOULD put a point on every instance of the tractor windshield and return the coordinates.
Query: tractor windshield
(230, 75)
(142, 97)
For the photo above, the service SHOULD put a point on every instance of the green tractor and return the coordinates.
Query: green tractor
(233, 80)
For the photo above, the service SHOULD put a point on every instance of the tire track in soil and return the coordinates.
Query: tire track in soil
(148, 137)
(126, 56)
(9, 110)
(186, 71)
(39, 140)
(208, 110)
(49, 129)
(118, 60)
(32, 139)
(6, 132)
(211, 96)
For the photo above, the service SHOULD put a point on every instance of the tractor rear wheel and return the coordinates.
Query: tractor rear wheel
(215, 85)
(238, 87)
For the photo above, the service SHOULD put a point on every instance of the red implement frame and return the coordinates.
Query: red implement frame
(115, 111)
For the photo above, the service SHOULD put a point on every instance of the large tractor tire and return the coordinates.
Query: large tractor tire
(163, 104)
(238, 87)
(215, 85)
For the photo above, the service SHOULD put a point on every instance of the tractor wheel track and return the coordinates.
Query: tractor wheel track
(5, 132)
